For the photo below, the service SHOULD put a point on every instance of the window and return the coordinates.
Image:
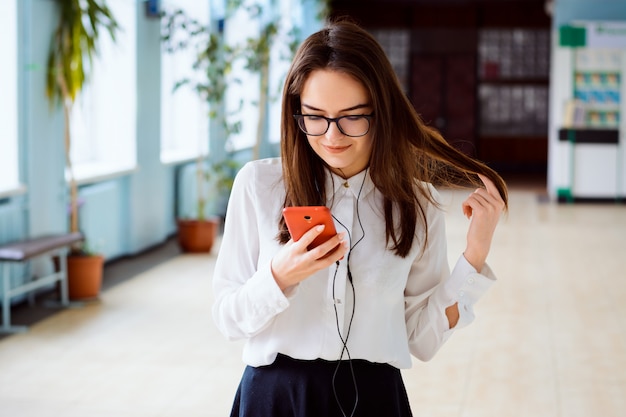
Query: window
(513, 94)
(9, 169)
(396, 43)
(184, 115)
(291, 21)
(104, 115)
(242, 97)
(294, 18)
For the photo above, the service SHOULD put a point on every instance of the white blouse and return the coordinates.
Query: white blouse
(399, 303)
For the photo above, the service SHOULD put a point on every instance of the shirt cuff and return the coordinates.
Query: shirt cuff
(268, 298)
(465, 287)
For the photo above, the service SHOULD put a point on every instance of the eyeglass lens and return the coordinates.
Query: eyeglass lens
(348, 125)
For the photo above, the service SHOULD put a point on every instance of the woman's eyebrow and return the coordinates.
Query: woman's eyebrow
(358, 106)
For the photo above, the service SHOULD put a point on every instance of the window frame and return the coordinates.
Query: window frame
(9, 139)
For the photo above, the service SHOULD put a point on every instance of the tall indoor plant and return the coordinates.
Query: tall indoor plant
(70, 59)
(212, 64)
(257, 57)
(257, 51)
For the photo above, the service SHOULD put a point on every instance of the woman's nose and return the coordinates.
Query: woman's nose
(333, 131)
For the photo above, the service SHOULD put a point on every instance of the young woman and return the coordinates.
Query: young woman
(328, 329)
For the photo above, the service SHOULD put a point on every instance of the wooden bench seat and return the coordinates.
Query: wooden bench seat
(55, 245)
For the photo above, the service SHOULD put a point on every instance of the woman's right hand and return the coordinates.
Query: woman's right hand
(294, 262)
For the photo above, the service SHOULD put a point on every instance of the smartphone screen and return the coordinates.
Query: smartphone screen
(301, 219)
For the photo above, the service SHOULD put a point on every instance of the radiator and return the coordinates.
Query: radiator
(100, 218)
(12, 220)
(13, 228)
(186, 191)
(187, 194)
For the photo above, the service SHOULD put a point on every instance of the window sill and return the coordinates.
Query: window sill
(93, 173)
(18, 189)
(178, 158)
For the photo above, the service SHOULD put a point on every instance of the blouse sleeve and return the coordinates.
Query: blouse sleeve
(247, 297)
(431, 288)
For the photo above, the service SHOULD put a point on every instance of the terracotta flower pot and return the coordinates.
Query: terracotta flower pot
(197, 236)
(84, 276)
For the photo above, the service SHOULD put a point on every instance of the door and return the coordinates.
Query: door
(443, 91)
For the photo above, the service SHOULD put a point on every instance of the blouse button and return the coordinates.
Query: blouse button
(346, 184)
(470, 280)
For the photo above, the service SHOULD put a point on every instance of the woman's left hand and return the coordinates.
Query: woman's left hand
(484, 207)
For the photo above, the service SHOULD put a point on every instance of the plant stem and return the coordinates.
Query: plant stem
(67, 110)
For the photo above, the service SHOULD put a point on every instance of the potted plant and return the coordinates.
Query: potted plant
(213, 60)
(70, 58)
(197, 233)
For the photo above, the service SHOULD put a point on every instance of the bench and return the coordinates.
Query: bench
(55, 246)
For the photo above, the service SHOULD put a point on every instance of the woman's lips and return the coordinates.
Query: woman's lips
(335, 149)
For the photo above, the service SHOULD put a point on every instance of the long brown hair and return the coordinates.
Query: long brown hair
(405, 151)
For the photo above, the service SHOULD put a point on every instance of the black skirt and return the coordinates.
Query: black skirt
(318, 388)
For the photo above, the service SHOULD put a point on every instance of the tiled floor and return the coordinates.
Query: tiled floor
(549, 339)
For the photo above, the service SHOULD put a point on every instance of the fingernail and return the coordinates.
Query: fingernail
(319, 228)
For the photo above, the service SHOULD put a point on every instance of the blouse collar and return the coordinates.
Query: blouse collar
(360, 184)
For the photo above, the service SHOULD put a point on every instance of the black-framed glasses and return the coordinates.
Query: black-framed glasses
(350, 125)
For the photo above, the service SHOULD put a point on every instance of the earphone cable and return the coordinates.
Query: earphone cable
(345, 341)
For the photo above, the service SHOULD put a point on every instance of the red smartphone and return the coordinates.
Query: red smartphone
(301, 219)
